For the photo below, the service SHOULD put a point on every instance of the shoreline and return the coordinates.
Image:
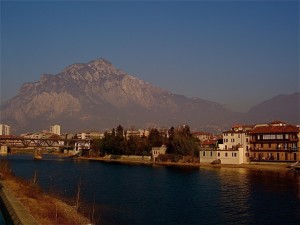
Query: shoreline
(46, 208)
(270, 166)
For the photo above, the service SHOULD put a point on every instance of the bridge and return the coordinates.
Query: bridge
(17, 141)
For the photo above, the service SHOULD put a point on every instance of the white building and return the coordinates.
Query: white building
(90, 135)
(235, 147)
(55, 129)
(4, 129)
(228, 156)
(156, 151)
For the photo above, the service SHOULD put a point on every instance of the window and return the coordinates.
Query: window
(219, 154)
(234, 154)
(279, 136)
(226, 154)
(203, 153)
(210, 154)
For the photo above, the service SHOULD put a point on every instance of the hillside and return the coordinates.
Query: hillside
(281, 107)
(96, 95)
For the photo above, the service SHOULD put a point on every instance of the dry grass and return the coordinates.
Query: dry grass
(45, 208)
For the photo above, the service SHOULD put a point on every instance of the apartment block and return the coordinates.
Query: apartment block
(4, 129)
(276, 141)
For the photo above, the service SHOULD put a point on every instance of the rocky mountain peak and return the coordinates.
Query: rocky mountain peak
(91, 71)
(97, 94)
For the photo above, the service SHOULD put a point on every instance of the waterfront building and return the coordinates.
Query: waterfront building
(81, 145)
(156, 151)
(55, 129)
(4, 129)
(276, 141)
(229, 156)
(233, 150)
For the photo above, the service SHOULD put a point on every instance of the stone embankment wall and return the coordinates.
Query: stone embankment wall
(129, 158)
(12, 209)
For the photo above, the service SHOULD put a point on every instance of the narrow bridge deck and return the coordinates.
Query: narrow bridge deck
(45, 142)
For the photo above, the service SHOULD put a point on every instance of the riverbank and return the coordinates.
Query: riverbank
(123, 159)
(253, 166)
(46, 209)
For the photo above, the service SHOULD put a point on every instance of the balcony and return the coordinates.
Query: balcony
(258, 149)
(293, 140)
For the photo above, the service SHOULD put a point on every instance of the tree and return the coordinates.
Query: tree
(181, 142)
(154, 138)
(120, 132)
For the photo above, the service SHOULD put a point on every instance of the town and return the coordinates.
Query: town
(270, 142)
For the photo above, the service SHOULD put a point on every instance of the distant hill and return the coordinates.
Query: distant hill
(96, 95)
(281, 107)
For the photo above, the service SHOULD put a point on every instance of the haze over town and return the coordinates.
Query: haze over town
(235, 53)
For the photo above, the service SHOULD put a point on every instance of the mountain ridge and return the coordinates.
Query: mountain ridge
(97, 95)
(282, 106)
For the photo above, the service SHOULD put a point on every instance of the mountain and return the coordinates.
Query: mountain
(281, 107)
(96, 95)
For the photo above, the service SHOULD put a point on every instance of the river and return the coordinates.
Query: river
(143, 194)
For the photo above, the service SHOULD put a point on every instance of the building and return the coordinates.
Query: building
(4, 129)
(276, 141)
(90, 135)
(229, 156)
(55, 129)
(156, 151)
(233, 150)
(202, 136)
(237, 137)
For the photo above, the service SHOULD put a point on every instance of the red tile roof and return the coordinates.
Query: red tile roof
(275, 129)
(209, 142)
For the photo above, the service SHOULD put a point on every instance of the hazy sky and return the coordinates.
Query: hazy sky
(237, 53)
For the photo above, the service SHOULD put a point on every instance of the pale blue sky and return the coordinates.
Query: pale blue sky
(237, 53)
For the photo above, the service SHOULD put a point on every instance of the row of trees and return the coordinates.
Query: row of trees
(178, 141)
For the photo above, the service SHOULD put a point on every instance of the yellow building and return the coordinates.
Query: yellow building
(276, 141)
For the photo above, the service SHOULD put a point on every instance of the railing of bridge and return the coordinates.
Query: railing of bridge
(38, 142)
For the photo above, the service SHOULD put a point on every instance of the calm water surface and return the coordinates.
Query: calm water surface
(2, 222)
(138, 194)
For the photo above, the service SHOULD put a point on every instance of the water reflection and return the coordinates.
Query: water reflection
(137, 194)
(298, 181)
(234, 194)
